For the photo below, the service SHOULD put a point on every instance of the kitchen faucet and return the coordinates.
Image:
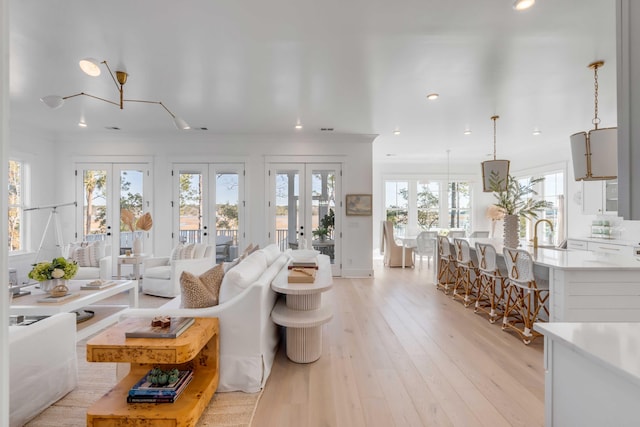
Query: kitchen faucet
(535, 231)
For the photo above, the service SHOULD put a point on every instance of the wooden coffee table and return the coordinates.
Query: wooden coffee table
(196, 348)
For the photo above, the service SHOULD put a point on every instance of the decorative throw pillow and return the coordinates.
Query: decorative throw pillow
(87, 256)
(187, 251)
(201, 291)
(177, 251)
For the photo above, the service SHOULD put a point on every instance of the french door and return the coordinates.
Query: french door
(103, 191)
(210, 202)
(303, 208)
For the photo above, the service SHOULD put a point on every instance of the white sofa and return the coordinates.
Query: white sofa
(162, 274)
(43, 365)
(248, 337)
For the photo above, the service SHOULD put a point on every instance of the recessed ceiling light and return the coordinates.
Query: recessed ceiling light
(396, 132)
(467, 132)
(82, 124)
(536, 131)
(433, 96)
(298, 125)
(523, 4)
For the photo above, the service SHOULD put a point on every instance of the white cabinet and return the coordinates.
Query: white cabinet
(577, 245)
(610, 248)
(600, 197)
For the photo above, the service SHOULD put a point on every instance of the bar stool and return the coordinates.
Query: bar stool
(525, 296)
(467, 274)
(491, 283)
(446, 264)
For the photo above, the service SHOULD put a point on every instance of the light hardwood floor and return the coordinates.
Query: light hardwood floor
(400, 353)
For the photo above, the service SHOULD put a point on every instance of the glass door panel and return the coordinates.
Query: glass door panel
(304, 212)
(95, 217)
(210, 206)
(191, 203)
(287, 209)
(105, 190)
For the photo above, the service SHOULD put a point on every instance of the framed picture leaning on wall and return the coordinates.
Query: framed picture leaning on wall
(359, 204)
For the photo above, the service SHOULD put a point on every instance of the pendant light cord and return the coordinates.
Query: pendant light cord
(494, 118)
(595, 120)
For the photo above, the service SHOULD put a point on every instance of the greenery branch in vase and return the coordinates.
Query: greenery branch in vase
(515, 201)
(327, 223)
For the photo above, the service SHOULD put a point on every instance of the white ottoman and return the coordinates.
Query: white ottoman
(43, 365)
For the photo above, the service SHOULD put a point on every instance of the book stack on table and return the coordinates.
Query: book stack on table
(302, 271)
(144, 392)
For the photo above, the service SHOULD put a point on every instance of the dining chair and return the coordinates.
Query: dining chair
(425, 246)
(491, 283)
(526, 297)
(446, 265)
(465, 287)
(392, 251)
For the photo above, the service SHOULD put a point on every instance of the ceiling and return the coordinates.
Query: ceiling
(356, 66)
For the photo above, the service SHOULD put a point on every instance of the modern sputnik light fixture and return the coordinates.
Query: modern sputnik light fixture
(92, 67)
(495, 173)
(595, 153)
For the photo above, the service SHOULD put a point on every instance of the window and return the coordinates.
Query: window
(428, 204)
(397, 203)
(459, 206)
(550, 189)
(414, 205)
(16, 208)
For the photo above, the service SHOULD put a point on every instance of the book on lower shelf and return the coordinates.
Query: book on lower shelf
(177, 326)
(97, 284)
(303, 264)
(52, 299)
(145, 392)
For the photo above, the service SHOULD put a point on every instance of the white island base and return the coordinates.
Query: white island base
(592, 374)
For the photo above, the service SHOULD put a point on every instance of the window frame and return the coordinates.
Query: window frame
(22, 205)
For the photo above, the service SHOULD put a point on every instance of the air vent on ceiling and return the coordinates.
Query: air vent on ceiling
(326, 129)
(203, 128)
(112, 127)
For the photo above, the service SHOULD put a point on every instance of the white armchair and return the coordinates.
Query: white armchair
(162, 274)
(102, 271)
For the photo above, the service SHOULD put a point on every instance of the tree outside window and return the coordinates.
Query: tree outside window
(15, 184)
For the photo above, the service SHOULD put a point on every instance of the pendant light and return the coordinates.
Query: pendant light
(595, 154)
(495, 173)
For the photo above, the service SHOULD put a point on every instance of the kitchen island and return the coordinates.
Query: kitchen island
(585, 286)
(592, 375)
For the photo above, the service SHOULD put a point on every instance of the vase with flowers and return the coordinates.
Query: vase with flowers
(515, 201)
(143, 223)
(53, 275)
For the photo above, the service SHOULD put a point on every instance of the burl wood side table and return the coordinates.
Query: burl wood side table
(197, 348)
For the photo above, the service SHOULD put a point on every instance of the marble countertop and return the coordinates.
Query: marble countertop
(564, 259)
(613, 345)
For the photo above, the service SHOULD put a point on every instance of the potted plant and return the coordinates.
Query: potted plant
(516, 201)
(327, 223)
(53, 274)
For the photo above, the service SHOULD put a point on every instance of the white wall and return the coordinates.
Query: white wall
(354, 151)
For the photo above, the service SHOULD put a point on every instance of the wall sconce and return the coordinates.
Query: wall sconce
(92, 67)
